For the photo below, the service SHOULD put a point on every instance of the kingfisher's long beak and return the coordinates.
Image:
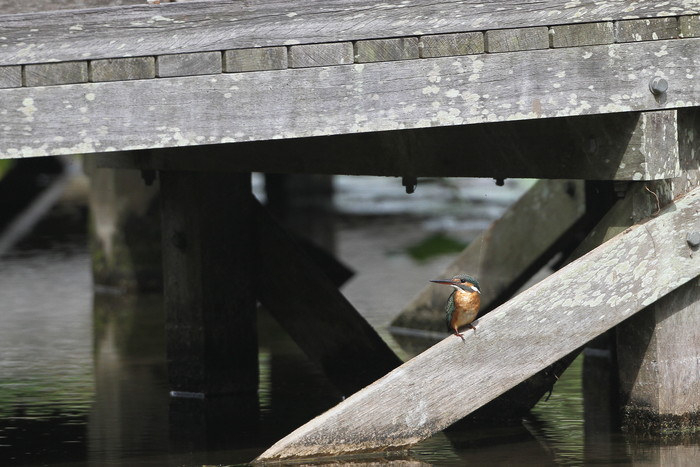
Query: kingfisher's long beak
(443, 281)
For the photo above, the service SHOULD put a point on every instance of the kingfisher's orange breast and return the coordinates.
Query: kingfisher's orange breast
(466, 307)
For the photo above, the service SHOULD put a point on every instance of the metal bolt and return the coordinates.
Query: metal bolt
(410, 183)
(658, 86)
(693, 239)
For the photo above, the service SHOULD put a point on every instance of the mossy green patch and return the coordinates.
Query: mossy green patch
(5, 165)
(435, 245)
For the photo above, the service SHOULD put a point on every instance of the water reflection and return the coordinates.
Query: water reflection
(130, 406)
(83, 382)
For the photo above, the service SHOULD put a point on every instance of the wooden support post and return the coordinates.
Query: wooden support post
(658, 351)
(551, 319)
(124, 230)
(315, 314)
(208, 259)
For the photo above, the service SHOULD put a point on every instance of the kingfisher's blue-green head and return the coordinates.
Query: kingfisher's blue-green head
(461, 282)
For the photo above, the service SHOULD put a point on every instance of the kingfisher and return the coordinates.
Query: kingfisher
(463, 304)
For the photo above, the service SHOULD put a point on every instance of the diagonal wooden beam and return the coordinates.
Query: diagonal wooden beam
(313, 311)
(531, 331)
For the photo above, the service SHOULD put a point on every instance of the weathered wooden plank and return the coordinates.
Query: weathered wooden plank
(385, 50)
(10, 76)
(546, 211)
(208, 288)
(11, 7)
(422, 93)
(510, 40)
(576, 35)
(314, 312)
(47, 74)
(201, 63)
(445, 45)
(557, 315)
(690, 26)
(626, 146)
(231, 24)
(339, 53)
(120, 69)
(265, 58)
(646, 29)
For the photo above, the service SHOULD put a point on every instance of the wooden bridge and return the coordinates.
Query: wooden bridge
(205, 92)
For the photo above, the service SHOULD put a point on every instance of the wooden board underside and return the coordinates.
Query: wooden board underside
(196, 110)
(534, 329)
(202, 26)
(627, 146)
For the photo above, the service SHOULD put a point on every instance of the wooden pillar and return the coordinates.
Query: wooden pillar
(124, 230)
(304, 204)
(659, 348)
(208, 259)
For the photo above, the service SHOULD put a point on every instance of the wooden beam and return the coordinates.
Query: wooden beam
(208, 289)
(608, 147)
(206, 26)
(294, 103)
(314, 313)
(556, 316)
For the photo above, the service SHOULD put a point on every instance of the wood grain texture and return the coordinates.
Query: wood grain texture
(314, 312)
(422, 93)
(445, 45)
(302, 56)
(10, 76)
(48, 74)
(554, 317)
(121, 69)
(11, 7)
(385, 50)
(501, 254)
(576, 35)
(230, 24)
(646, 29)
(264, 58)
(509, 40)
(202, 63)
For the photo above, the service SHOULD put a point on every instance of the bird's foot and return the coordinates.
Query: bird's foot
(460, 335)
(473, 325)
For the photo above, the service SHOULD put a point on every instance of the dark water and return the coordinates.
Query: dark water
(83, 383)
